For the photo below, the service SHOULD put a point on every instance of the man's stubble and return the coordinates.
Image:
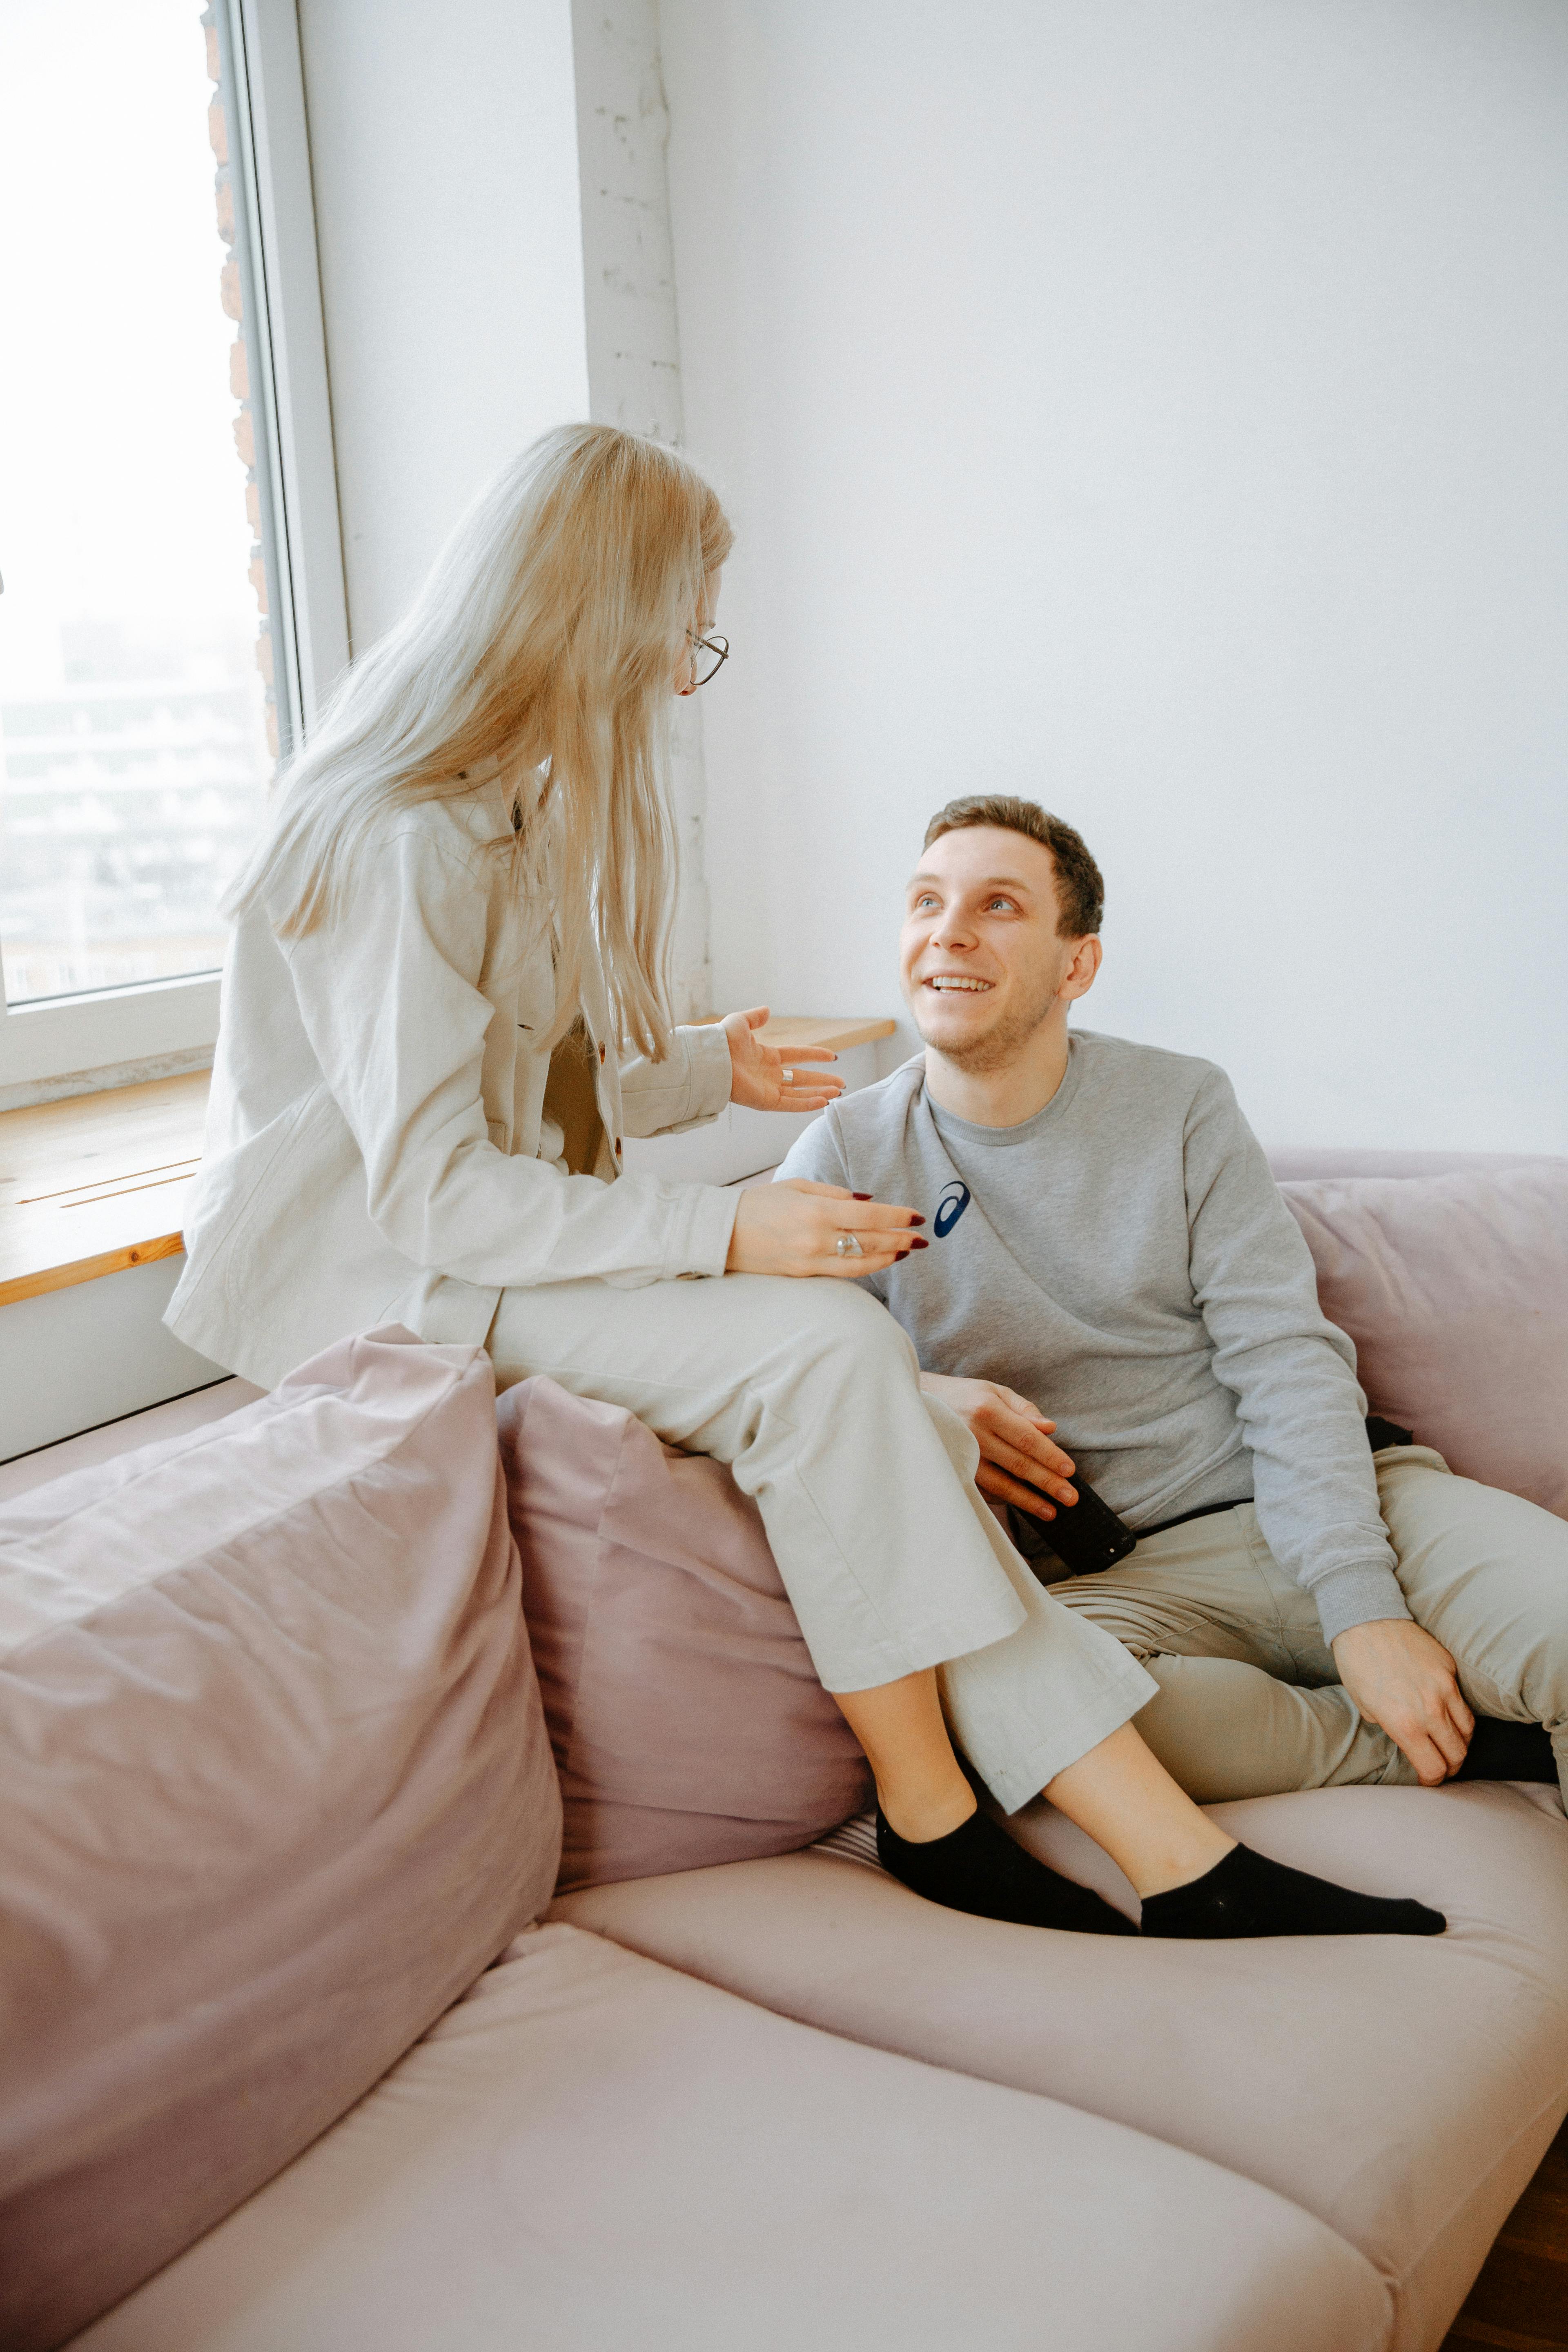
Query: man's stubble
(1001, 1044)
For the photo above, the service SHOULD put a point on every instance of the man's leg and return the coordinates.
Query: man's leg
(1248, 1704)
(1486, 1574)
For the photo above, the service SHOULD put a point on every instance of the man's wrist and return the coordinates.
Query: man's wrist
(1357, 1595)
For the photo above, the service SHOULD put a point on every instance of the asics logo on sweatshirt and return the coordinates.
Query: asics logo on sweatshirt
(948, 1210)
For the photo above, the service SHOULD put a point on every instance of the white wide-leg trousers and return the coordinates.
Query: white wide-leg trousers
(809, 1390)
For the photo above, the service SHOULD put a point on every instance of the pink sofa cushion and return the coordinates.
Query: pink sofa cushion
(591, 2153)
(1455, 1289)
(687, 1720)
(1401, 2089)
(277, 1790)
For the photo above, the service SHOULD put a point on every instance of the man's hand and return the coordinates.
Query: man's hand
(1017, 1456)
(1406, 1681)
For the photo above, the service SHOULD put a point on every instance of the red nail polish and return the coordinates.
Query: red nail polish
(918, 1244)
(860, 1196)
(917, 1221)
(902, 1256)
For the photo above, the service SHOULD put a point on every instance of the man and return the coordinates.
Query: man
(1108, 1244)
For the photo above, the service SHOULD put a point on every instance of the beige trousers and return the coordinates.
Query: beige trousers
(810, 1391)
(1249, 1701)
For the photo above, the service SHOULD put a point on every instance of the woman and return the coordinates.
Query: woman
(444, 1010)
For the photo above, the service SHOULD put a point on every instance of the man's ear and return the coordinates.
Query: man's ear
(1079, 977)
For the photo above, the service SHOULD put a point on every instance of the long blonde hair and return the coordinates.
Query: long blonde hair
(546, 637)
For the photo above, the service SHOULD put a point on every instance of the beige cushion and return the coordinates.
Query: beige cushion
(277, 1788)
(1401, 2089)
(593, 2154)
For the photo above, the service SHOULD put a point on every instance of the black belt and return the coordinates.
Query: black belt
(1203, 1511)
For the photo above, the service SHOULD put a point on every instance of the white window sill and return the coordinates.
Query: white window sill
(79, 1044)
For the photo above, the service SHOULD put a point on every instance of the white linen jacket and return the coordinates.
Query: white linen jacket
(374, 1126)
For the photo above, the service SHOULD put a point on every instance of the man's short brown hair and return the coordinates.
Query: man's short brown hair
(1080, 886)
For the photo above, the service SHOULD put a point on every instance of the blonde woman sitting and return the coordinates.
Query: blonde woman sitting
(445, 1011)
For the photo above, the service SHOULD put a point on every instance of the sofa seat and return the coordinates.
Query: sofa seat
(1401, 2090)
(593, 2151)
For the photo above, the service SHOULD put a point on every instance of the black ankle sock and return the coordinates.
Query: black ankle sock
(1507, 1751)
(977, 1868)
(1248, 1895)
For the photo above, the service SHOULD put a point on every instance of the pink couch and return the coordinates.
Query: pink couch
(781, 2104)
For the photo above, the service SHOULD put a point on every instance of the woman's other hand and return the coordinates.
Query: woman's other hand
(766, 1078)
(1018, 1463)
(794, 1227)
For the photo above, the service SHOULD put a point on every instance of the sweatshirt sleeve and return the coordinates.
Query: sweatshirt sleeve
(816, 1157)
(1291, 1372)
(391, 1001)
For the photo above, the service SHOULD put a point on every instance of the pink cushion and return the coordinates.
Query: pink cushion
(687, 1722)
(277, 1790)
(1455, 1289)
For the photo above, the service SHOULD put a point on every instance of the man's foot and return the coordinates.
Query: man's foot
(978, 1868)
(1248, 1895)
(1507, 1751)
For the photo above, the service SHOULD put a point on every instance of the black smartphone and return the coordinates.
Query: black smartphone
(1083, 1539)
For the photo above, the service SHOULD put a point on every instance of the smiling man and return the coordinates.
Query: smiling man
(1108, 1247)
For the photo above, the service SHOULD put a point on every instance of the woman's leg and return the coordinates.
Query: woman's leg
(1012, 1700)
(1193, 1880)
(809, 1390)
(896, 1567)
(921, 1786)
(1127, 1801)
(931, 1834)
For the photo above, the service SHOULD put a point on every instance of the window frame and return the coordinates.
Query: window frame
(109, 1035)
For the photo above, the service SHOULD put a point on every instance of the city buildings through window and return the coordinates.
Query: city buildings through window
(140, 718)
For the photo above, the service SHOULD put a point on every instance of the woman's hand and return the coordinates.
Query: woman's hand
(1017, 1456)
(764, 1078)
(793, 1228)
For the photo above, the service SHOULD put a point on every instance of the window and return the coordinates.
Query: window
(165, 497)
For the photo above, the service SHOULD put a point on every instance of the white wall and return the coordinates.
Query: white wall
(443, 156)
(1159, 410)
(492, 219)
(72, 1358)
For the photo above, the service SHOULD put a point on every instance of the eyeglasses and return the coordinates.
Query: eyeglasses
(709, 655)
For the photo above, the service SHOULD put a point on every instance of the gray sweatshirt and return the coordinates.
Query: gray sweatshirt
(1125, 1261)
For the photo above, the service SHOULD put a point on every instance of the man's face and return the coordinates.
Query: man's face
(981, 960)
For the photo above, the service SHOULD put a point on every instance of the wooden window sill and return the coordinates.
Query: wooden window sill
(98, 1183)
(786, 1029)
